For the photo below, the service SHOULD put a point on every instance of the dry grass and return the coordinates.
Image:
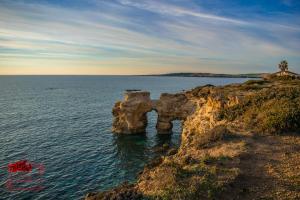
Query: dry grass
(201, 173)
(269, 170)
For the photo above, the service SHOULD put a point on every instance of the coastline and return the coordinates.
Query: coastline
(222, 153)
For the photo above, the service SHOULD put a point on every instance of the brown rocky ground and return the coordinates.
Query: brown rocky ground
(270, 169)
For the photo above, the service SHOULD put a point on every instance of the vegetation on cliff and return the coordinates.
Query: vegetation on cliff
(274, 109)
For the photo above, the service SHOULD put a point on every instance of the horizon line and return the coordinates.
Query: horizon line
(130, 74)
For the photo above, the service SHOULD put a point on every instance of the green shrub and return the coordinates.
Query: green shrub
(271, 110)
(278, 116)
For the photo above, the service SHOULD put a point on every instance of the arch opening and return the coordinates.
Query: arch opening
(162, 125)
(177, 126)
(176, 131)
(152, 117)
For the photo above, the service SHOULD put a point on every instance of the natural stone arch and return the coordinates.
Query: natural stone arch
(130, 115)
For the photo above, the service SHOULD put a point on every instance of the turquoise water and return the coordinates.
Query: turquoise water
(64, 123)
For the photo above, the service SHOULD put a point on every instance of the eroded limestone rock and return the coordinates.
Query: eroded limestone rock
(131, 114)
(171, 107)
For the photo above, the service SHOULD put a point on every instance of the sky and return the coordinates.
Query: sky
(123, 37)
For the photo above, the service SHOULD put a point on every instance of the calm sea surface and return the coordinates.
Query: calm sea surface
(64, 122)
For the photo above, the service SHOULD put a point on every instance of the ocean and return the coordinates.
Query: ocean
(63, 123)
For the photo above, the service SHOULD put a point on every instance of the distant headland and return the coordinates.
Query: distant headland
(190, 74)
(283, 66)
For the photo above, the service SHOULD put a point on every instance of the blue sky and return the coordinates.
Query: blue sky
(148, 36)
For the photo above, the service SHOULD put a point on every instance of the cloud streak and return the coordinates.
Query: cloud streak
(162, 8)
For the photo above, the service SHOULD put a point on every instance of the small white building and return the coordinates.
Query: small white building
(287, 73)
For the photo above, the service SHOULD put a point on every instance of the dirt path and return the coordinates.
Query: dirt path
(270, 169)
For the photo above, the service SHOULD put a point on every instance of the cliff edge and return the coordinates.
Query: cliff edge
(240, 141)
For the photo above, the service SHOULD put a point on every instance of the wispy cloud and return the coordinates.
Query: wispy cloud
(169, 9)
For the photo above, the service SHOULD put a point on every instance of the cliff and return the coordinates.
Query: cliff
(239, 141)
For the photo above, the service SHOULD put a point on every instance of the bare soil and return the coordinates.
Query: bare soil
(270, 169)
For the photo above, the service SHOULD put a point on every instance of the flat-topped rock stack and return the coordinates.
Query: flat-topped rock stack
(130, 115)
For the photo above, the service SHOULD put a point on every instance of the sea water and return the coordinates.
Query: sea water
(64, 123)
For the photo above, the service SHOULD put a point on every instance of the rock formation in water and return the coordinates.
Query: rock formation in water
(171, 107)
(130, 115)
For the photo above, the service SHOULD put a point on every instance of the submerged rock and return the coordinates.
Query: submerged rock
(123, 192)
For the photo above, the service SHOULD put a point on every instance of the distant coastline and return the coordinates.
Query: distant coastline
(187, 74)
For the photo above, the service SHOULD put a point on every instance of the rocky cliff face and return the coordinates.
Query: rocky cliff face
(209, 101)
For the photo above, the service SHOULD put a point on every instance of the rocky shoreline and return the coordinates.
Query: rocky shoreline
(239, 141)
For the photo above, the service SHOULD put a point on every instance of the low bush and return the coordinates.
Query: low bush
(271, 110)
(275, 116)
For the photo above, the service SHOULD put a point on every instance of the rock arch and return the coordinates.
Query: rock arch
(130, 115)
